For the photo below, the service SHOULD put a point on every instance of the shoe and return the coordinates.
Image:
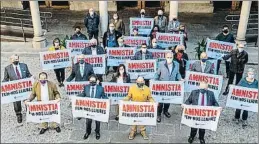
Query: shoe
(190, 140)
(225, 92)
(116, 118)
(235, 120)
(132, 135)
(202, 141)
(98, 136)
(60, 85)
(158, 119)
(144, 135)
(19, 118)
(244, 123)
(167, 114)
(86, 135)
(78, 118)
(42, 131)
(58, 130)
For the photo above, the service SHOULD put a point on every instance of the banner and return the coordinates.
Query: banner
(203, 117)
(17, 90)
(97, 61)
(145, 68)
(39, 112)
(243, 98)
(77, 46)
(166, 40)
(144, 25)
(193, 79)
(137, 113)
(116, 91)
(167, 91)
(55, 59)
(136, 41)
(158, 54)
(216, 49)
(75, 88)
(92, 108)
(117, 56)
(214, 62)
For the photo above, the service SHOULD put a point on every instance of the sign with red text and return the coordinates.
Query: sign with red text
(243, 98)
(39, 112)
(145, 68)
(75, 88)
(77, 46)
(214, 64)
(116, 91)
(166, 40)
(117, 56)
(16, 90)
(92, 108)
(193, 79)
(55, 59)
(137, 113)
(144, 25)
(201, 117)
(97, 61)
(136, 41)
(159, 54)
(216, 49)
(167, 91)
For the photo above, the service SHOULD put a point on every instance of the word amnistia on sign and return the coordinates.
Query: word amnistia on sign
(39, 112)
(243, 98)
(137, 113)
(135, 41)
(77, 46)
(144, 25)
(204, 117)
(145, 68)
(75, 88)
(17, 90)
(55, 59)
(166, 40)
(117, 56)
(214, 62)
(158, 54)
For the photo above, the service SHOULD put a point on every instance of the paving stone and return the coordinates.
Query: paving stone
(159, 138)
(122, 137)
(113, 125)
(105, 137)
(77, 135)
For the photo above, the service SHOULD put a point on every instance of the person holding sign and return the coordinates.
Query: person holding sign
(203, 66)
(161, 21)
(173, 25)
(60, 73)
(154, 31)
(121, 42)
(139, 93)
(135, 32)
(239, 58)
(181, 57)
(110, 37)
(93, 49)
(45, 90)
(78, 35)
(167, 71)
(154, 45)
(202, 97)
(93, 91)
(249, 82)
(118, 23)
(91, 22)
(182, 30)
(16, 71)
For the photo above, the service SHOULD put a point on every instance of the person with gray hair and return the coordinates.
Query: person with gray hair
(161, 21)
(91, 22)
(250, 82)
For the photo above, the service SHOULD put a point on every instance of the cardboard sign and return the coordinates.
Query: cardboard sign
(75, 88)
(117, 56)
(214, 65)
(166, 40)
(136, 41)
(77, 46)
(158, 54)
(144, 25)
(145, 68)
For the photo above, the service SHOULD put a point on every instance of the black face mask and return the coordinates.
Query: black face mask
(81, 61)
(78, 32)
(143, 13)
(92, 83)
(174, 19)
(225, 31)
(140, 85)
(94, 46)
(15, 62)
(180, 51)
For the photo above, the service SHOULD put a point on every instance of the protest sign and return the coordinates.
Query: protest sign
(75, 88)
(16, 90)
(135, 41)
(77, 46)
(243, 98)
(145, 68)
(39, 112)
(214, 65)
(203, 117)
(137, 113)
(158, 54)
(97, 61)
(116, 91)
(92, 108)
(55, 59)
(144, 25)
(167, 91)
(216, 49)
(193, 79)
(117, 56)
(166, 40)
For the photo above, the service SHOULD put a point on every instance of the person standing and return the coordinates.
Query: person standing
(110, 37)
(203, 65)
(139, 93)
(154, 31)
(154, 45)
(45, 91)
(173, 25)
(161, 21)
(118, 23)
(93, 91)
(16, 71)
(121, 42)
(78, 34)
(239, 58)
(142, 13)
(181, 57)
(91, 22)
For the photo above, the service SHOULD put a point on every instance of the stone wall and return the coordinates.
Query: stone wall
(192, 6)
(10, 3)
(85, 5)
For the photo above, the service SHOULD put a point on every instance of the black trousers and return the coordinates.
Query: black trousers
(194, 132)
(231, 78)
(244, 114)
(92, 34)
(161, 106)
(60, 74)
(147, 82)
(89, 126)
(17, 107)
(227, 63)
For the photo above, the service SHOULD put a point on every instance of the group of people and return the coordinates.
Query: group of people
(171, 69)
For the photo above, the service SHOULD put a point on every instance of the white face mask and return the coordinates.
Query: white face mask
(111, 28)
(56, 44)
(120, 44)
(91, 13)
(154, 44)
(169, 61)
(251, 76)
(240, 49)
(144, 50)
(115, 17)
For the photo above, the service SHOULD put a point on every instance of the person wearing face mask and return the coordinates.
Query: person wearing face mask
(93, 91)
(45, 91)
(173, 25)
(181, 57)
(135, 32)
(111, 36)
(118, 23)
(154, 31)
(182, 30)
(91, 22)
(78, 35)
(203, 66)
(161, 21)
(16, 71)
(121, 42)
(239, 58)
(154, 45)
(60, 73)
(142, 13)
(139, 93)
(201, 97)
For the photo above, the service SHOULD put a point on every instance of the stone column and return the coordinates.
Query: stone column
(243, 21)
(173, 10)
(38, 41)
(103, 10)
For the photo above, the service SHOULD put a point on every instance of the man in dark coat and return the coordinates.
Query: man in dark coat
(91, 22)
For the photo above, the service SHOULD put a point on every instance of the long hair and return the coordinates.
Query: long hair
(55, 39)
(118, 70)
(154, 27)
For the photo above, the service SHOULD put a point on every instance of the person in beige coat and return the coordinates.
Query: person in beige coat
(118, 23)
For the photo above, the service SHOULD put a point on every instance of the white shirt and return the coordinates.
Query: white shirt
(143, 56)
(120, 80)
(203, 65)
(44, 92)
(19, 69)
(82, 67)
(94, 51)
(170, 67)
(200, 99)
(91, 87)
